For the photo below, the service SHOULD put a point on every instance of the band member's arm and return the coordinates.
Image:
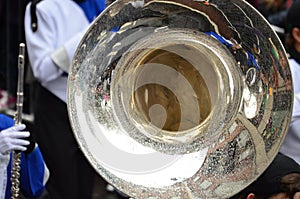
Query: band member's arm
(42, 43)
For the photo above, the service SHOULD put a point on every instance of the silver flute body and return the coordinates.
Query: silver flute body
(16, 161)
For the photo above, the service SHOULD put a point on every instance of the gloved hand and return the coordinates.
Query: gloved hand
(13, 138)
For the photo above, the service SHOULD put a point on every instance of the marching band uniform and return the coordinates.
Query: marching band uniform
(33, 173)
(51, 43)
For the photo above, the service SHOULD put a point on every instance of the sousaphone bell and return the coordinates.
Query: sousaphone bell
(180, 98)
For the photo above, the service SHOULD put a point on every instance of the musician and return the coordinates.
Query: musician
(34, 173)
(281, 180)
(53, 29)
(291, 144)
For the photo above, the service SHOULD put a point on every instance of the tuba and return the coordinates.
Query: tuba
(180, 98)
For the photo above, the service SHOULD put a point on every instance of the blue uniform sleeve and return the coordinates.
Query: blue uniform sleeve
(92, 8)
(5, 122)
(33, 174)
(32, 179)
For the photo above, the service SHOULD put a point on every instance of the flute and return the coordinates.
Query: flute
(16, 161)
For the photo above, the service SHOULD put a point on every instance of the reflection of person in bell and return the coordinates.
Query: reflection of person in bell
(34, 173)
(252, 84)
(281, 180)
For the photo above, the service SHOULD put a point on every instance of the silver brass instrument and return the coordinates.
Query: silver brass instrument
(180, 98)
(16, 155)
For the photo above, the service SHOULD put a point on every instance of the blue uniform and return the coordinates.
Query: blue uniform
(33, 169)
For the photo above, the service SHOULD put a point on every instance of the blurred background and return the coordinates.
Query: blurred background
(11, 34)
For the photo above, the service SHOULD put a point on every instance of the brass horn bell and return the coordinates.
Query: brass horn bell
(180, 98)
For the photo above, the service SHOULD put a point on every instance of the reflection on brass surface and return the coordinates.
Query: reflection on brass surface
(180, 98)
(152, 94)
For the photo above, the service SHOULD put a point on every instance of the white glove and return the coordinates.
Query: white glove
(13, 139)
